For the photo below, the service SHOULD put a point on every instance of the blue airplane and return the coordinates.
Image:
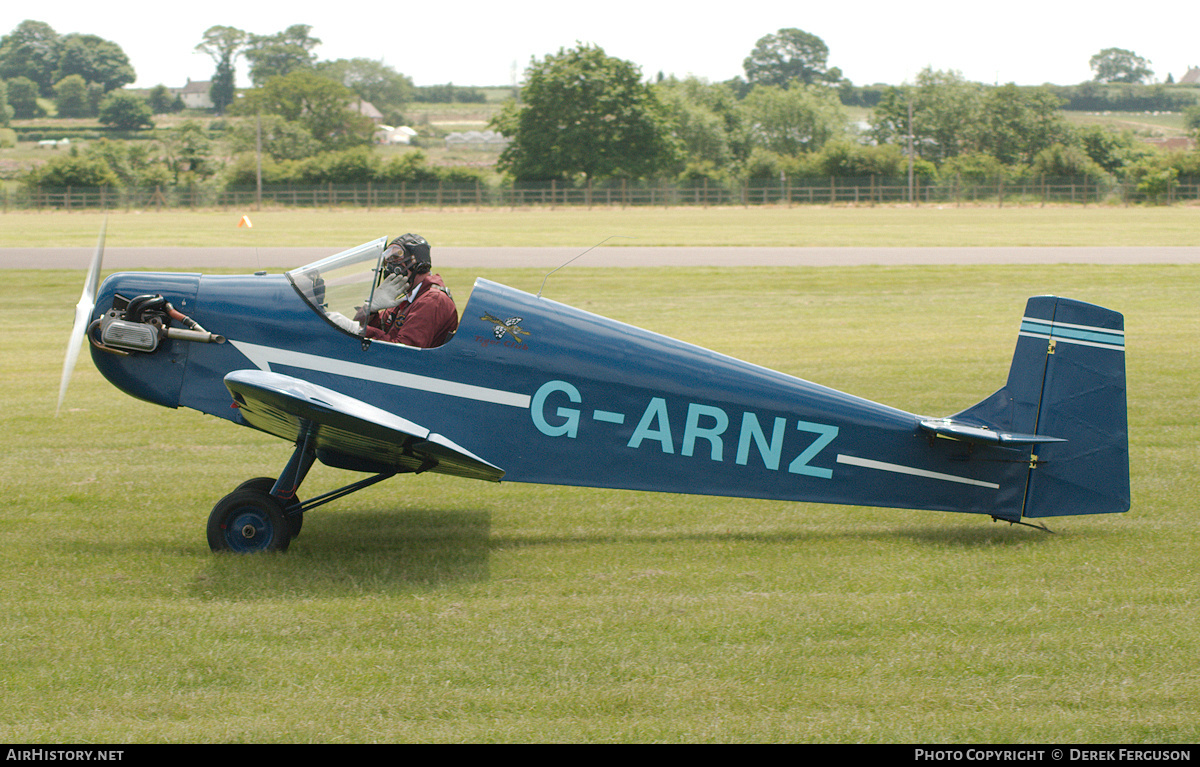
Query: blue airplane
(531, 390)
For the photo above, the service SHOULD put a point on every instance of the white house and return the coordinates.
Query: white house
(194, 94)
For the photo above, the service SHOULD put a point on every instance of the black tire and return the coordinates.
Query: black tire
(248, 521)
(258, 483)
(295, 519)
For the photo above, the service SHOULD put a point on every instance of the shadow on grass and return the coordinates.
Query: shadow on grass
(350, 553)
(949, 537)
(355, 552)
(999, 534)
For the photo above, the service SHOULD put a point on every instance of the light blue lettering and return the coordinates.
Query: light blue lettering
(570, 425)
(751, 429)
(825, 435)
(692, 429)
(656, 413)
(605, 416)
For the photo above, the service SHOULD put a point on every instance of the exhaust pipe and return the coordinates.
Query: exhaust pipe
(200, 336)
(142, 324)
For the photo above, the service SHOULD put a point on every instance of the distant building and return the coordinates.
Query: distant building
(1191, 78)
(367, 109)
(475, 139)
(386, 134)
(194, 94)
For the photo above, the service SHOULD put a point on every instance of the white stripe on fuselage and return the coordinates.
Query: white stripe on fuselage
(868, 463)
(264, 356)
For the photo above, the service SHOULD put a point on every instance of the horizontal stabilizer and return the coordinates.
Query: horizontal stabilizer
(944, 427)
(347, 427)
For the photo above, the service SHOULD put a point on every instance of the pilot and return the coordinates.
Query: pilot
(410, 306)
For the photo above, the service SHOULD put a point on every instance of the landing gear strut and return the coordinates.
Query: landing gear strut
(264, 514)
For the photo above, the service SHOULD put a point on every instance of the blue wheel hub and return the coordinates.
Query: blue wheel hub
(248, 521)
(249, 530)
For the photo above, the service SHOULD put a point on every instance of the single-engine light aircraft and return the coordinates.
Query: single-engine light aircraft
(531, 390)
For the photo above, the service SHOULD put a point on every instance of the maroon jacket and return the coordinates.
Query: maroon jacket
(427, 321)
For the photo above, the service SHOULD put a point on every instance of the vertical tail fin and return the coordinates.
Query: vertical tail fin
(1067, 380)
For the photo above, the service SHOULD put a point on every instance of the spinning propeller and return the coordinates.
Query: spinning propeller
(83, 316)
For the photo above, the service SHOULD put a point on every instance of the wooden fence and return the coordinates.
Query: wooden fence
(832, 191)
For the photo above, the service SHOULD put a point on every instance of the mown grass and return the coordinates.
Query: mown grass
(800, 226)
(431, 609)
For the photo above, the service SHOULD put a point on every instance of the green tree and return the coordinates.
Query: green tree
(1117, 65)
(281, 53)
(319, 104)
(132, 161)
(1154, 178)
(1014, 124)
(846, 159)
(765, 164)
(371, 80)
(126, 111)
(281, 140)
(356, 165)
(1191, 119)
(6, 111)
(95, 95)
(160, 100)
(585, 114)
(72, 170)
(31, 50)
(224, 45)
(707, 120)
(1112, 150)
(410, 167)
(1062, 161)
(975, 168)
(448, 93)
(243, 171)
(71, 97)
(787, 55)
(222, 90)
(794, 120)
(189, 152)
(23, 98)
(94, 59)
(943, 107)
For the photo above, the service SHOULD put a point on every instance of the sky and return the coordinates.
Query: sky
(467, 42)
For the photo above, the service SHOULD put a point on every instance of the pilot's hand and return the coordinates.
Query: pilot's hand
(389, 292)
(344, 322)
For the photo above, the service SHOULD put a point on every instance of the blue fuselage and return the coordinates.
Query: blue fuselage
(557, 395)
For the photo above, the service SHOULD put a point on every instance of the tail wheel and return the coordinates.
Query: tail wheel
(248, 521)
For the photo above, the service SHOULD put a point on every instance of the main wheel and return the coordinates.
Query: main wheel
(265, 484)
(248, 521)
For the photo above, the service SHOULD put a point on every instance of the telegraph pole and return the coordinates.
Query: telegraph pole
(911, 195)
(258, 162)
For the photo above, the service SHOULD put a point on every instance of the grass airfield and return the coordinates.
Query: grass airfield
(926, 226)
(431, 609)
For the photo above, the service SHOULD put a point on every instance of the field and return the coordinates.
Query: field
(431, 609)
(801, 226)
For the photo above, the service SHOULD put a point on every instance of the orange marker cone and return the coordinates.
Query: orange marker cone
(245, 222)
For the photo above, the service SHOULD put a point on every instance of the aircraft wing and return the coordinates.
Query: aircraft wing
(346, 427)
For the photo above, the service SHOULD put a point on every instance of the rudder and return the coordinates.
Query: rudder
(1067, 380)
(1083, 402)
